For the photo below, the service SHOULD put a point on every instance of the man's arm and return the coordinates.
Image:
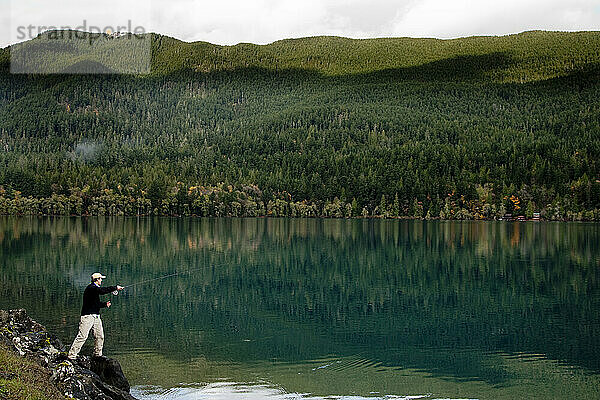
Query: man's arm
(107, 289)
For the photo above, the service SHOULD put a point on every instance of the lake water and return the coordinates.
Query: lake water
(323, 309)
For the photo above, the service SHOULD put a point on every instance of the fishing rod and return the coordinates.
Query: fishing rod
(116, 292)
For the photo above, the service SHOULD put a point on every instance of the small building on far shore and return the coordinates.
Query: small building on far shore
(507, 217)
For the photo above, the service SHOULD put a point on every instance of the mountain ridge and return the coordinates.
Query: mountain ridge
(534, 55)
(302, 38)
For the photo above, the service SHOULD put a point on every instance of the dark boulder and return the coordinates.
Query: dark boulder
(109, 370)
(77, 381)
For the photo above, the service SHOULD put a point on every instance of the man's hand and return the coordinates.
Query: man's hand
(120, 287)
(108, 304)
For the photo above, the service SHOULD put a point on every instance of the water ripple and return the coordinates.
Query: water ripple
(239, 391)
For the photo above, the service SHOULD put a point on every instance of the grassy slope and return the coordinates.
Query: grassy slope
(24, 379)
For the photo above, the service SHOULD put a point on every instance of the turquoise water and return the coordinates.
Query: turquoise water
(315, 309)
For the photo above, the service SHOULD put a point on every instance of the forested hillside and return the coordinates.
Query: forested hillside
(325, 126)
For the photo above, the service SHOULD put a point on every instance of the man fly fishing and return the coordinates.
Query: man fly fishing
(90, 316)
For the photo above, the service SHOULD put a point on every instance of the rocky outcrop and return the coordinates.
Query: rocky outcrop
(90, 378)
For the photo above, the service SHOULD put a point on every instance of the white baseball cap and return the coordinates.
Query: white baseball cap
(97, 275)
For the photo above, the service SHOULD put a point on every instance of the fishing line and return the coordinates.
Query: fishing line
(116, 292)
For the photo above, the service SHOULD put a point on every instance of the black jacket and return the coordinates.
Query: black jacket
(91, 298)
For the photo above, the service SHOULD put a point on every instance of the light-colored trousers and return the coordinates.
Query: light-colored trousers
(87, 323)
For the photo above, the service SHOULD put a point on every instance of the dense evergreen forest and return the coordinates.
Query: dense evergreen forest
(469, 128)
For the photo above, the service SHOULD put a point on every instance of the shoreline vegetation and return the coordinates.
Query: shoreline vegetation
(250, 201)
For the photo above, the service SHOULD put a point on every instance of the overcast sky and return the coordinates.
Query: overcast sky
(264, 21)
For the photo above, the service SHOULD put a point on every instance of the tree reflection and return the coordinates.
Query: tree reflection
(405, 293)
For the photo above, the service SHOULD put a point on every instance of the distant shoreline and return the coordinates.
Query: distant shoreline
(357, 218)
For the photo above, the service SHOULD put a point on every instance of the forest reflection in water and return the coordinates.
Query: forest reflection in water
(462, 303)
